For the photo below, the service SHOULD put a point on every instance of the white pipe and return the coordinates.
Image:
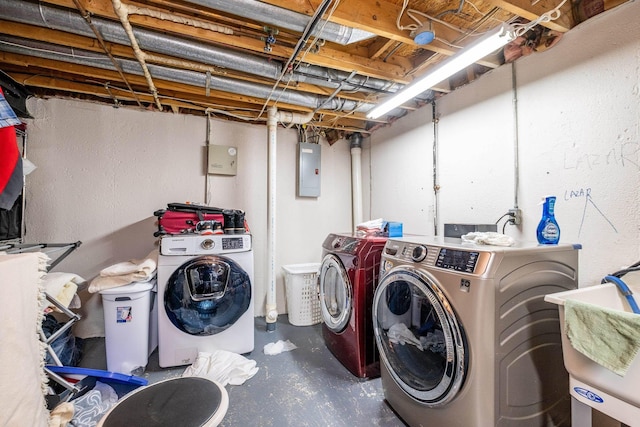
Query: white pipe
(122, 12)
(273, 116)
(356, 179)
(270, 307)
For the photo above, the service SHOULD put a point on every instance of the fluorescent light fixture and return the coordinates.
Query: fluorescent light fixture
(477, 50)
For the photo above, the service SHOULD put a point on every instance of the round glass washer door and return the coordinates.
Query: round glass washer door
(335, 294)
(206, 295)
(419, 337)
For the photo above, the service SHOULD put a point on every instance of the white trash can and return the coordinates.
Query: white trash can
(129, 326)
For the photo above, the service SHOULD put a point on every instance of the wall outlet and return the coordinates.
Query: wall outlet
(516, 216)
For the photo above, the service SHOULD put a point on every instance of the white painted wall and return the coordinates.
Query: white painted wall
(102, 172)
(578, 130)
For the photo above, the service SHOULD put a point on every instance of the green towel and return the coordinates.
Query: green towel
(609, 337)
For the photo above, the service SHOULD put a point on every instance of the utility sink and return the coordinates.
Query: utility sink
(591, 384)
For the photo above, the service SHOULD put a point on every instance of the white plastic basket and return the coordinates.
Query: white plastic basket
(302, 293)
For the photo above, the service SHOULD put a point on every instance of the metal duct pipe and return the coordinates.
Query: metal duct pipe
(54, 52)
(356, 178)
(273, 117)
(284, 18)
(70, 21)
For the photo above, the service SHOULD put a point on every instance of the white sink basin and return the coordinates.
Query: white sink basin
(590, 383)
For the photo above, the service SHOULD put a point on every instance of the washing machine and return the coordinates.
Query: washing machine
(347, 278)
(205, 296)
(465, 336)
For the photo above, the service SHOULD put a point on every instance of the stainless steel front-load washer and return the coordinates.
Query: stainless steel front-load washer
(465, 336)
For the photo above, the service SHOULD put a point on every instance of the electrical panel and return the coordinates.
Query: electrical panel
(223, 160)
(308, 170)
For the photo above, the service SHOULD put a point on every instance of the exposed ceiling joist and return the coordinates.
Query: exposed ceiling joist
(203, 55)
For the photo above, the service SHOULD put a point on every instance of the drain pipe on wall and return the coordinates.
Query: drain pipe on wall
(356, 178)
(273, 117)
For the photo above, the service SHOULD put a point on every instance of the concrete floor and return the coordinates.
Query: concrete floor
(303, 387)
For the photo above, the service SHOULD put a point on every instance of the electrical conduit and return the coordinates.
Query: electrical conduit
(273, 117)
(356, 178)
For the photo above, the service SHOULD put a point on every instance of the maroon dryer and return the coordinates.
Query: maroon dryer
(348, 277)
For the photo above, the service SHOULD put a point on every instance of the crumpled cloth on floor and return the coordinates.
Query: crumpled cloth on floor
(63, 287)
(488, 238)
(400, 334)
(274, 348)
(125, 273)
(223, 367)
(609, 337)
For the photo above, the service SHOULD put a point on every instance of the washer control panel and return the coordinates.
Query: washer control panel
(204, 245)
(458, 260)
(465, 261)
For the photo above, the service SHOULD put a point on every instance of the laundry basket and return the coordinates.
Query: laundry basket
(301, 282)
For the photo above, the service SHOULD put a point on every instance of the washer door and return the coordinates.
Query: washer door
(206, 295)
(419, 338)
(335, 294)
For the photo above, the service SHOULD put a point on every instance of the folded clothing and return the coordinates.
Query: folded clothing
(609, 337)
(125, 273)
(372, 225)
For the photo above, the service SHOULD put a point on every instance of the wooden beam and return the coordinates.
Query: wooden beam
(531, 12)
(377, 17)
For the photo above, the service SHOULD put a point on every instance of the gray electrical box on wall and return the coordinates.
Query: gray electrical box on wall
(308, 170)
(223, 160)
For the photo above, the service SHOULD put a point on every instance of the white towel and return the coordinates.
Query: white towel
(401, 334)
(125, 273)
(223, 367)
(488, 238)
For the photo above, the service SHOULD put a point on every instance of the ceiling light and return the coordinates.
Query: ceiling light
(477, 50)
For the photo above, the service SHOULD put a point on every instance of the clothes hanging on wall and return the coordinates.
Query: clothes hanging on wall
(11, 175)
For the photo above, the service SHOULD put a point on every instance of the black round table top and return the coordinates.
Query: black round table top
(184, 401)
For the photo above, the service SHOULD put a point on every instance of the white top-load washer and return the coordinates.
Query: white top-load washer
(205, 296)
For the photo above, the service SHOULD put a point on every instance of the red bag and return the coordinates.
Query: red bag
(181, 218)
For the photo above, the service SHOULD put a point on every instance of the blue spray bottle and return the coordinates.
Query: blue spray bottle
(548, 230)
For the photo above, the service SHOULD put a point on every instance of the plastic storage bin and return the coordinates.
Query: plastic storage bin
(301, 282)
(130, 326)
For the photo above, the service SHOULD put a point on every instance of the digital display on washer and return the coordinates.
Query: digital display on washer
(229, 243)
(457, 260)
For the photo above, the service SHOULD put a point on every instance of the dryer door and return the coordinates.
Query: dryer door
(206, 295)
(419, 338)
(335, 294)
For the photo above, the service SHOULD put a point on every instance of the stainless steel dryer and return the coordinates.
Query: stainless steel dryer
(465, 336)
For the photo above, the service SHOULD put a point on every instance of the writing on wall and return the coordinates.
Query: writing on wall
(589, 206)
(621, 154)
